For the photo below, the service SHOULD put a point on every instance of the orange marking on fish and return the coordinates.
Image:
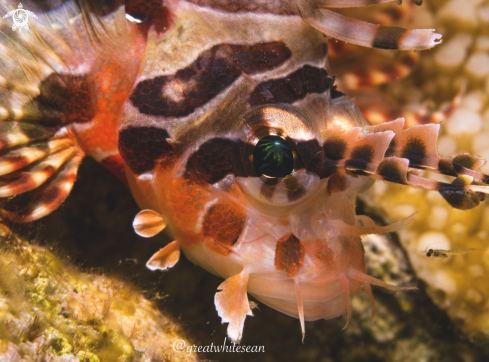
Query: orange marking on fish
(289, 254)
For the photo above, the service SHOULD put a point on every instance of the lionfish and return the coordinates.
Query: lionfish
(223, 120)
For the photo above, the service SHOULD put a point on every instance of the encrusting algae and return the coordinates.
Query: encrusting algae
(50, 311)
(458, 284)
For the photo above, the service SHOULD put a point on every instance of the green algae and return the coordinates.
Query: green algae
(49, 309)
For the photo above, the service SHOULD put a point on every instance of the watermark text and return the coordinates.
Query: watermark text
(180, 345)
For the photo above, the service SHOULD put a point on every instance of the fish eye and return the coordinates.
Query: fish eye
(429, 253)
(279, 140)
(273, 157)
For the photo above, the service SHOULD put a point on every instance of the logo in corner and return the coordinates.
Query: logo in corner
(20, 18)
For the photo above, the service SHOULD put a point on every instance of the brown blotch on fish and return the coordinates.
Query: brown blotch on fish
(445, 166)
(294, 189)
(278, 7)
(63, 99)
(468, 161)
(391, 150)
(414, 150)
(269, 186)
(142, 147)
(390, 170)
(458, 196)
(179, 94)
(217, 158)
(293, 87)
(312, 156)
(360, 156)
(335, 148)
(223, 223)
(289, 254)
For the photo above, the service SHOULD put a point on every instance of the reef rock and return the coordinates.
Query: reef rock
(50, 311)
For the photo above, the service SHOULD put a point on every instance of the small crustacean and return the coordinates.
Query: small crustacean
(444, 254)
(223, 121)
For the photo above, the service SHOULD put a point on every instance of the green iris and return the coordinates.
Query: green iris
(273, 157)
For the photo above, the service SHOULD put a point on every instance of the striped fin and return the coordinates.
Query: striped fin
(33, 176)
(50, 167)
(418, 145)
(51, 194)
(400, 162)
(56, 85)
(369, 150)
(379, 108)
(366, 34)
(19, 133)
(20, 157)
(345, 150)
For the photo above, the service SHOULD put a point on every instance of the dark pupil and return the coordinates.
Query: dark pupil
(273, 157)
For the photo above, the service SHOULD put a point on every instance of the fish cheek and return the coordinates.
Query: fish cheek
(142, 190)
(184, 197)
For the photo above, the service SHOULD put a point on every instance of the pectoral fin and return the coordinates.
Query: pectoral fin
(148, 223)
(165, 258)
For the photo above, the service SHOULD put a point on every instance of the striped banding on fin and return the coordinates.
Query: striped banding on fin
(369, 35)
(397, 155)
(362, 155)
(19, 158)
(51, 194)
(20, 133)
(34, 157)
(34, 176)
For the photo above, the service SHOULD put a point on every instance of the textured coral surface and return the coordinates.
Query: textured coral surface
(50, 311)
